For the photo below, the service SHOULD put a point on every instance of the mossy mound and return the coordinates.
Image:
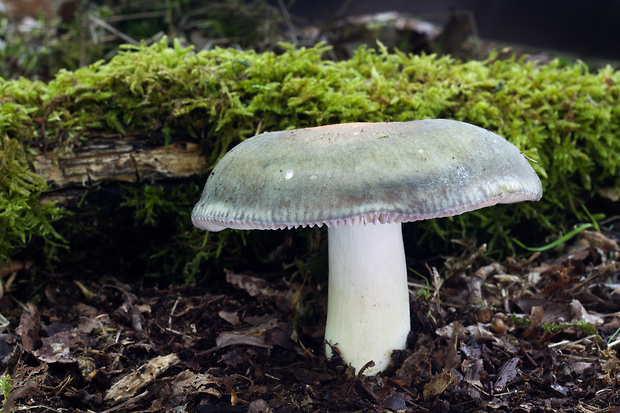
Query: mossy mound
(564, 117)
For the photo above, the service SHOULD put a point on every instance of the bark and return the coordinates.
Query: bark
(125, 159)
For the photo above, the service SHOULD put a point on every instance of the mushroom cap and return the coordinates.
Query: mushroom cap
(363, 173)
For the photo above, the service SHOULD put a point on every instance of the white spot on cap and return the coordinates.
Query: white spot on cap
(289, 174)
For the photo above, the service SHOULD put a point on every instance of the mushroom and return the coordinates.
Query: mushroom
(362, 181)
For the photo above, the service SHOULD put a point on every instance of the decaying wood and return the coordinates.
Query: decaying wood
(126, 159)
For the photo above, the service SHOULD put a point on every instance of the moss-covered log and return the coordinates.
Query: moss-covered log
(565, 118)
(121, 159)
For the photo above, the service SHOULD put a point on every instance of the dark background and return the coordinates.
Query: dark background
(587, 29)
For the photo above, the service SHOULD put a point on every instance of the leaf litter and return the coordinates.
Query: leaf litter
(530, 334)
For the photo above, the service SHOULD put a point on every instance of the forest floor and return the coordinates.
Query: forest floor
(533, 334)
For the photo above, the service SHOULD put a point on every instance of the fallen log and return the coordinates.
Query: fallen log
(125, 159)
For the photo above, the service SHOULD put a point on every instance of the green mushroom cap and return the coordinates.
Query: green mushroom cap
(363, 173)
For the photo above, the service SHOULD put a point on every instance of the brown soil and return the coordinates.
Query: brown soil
(534, 334)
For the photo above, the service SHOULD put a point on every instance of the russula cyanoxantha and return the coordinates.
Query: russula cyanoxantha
(362, 180)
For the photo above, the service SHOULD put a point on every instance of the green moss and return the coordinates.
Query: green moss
(564, 117)
(521, 321)
(581, 325)
(556, 327)
(21, 214)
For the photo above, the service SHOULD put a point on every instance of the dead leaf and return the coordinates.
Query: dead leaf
(563, 390)
(413, 365)
(29, 325)
(259, 406)
(579, 367)
(450, 330)
(473, 370)
(599, 241)
(507, 374)
(611, 193)
(395, 403)
(536, 315)
(264, 335)
(14, 267)
(553, 311)
(254, 286)
(86, 310)
(131, 383)
(440, 382)
(233, 338)
(310, 377)
(507, 278)
(579, 313)
(475, 331)
(558, 279)
(437, 283)
(231, 317)
(8, 343)
(58, 348)
(189, 383)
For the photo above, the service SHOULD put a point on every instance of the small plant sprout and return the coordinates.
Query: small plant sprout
(6, 385)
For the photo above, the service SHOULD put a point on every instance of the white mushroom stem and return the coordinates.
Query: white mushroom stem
(368, 300)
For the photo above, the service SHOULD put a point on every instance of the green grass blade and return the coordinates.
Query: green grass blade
(557, 241)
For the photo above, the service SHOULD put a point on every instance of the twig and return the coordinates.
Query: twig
(174, 307)
(613, 344)
(114, 31)
(289, 23)
(579, 358)
(573, 344)
(16, 394)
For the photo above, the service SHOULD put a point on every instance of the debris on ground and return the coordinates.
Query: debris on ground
(537, 333)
